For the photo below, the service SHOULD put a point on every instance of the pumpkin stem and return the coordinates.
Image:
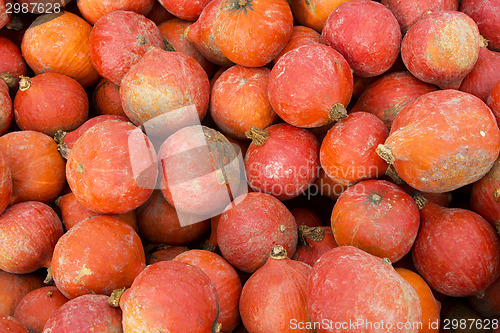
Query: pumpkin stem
(24, 82)
(168, 46)
(49, 279)
(242, 3)
(218, 328)
(141, 39)
(484, 41)
(116, 295)
(315, 234)
(278, 252)
(391, 172)
(498, 228)
(375, 198)
(257, 135)
(387, 261)
(337, 112)
(420, 200)
(61, 146)
(496, 194)
(385, 153)
(9, 79)
(207, 246)
(15, 24)
(50, 293)
(480, 295)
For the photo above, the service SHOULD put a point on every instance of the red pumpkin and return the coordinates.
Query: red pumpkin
(112, 168)
(6, 109)
(307, 217)
(485, 196)
(370, 46)
(316, 242)
(201, 34)
(226, 281)
(457, 252)
(87, 313)
(493, 101)
(11, 325)
(251, 33)
(5, 183)
(5, 17)
(348, 285)
(390, 94)
(174, 33)
(314, 13)
(12, 64)
(442, 141)
(78, 262)
(274, 297)
(377, 217)
(282, 160)
(185, 9)
(300, 36)
(38, 306)
(211, 243)
(59, 43)
(169, 89)
(171, 296)
(239, 101)
(347, 152)
(159, 223)
(484, 13)
(441, 48)
(106, 98)
(13, 287)
(408, 12)
(118, 42)
(487, 302)
(34, 225)
(165, 253)
(50, 102)
(484, 75)
(251, 226)
(92, 10)
(310, 86)
(36, 167)
(158, 14)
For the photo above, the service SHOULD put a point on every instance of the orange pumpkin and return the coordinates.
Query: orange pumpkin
(106, 98)
(313, 13)
(300, 36)
(6, 109)
(93, 10)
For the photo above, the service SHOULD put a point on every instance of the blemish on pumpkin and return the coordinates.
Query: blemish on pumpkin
(79, 168)
(496, 194)
(83, 272)
(282, 228)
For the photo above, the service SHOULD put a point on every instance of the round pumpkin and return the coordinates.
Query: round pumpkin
(485, 74)
(316, 242)
(106, 98)
(12, 64)
(6, 108)
(92, 10)
(483, 12)
(13, 287)
(300, 36)
(314, 13)
(188, 10)
(493, 101)
(11, 325)
(485, 196)
(164, 253)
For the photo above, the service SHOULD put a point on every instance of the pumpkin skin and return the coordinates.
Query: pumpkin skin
(51, 102)
(34, 225)
(99, 169)
(59, 43)
(33, 158)
(485, 74)
(307, 217)
(347, 152)
(239, 100)
(493, 101)
(12, 64)
(201, 34)
(484, 197)
(369, 46)
(314, 13)
(275, 295)
(378, 217)
(330, 298)
(106, 98)
(408, 12)
(483, 13)
(93, 10)
(164, 294)
(188, 10)
(13, 287)
(441, 48)
(169, 89)
(487, 302)
(316, 242)
(251, 226)
(174, 31)
(158, 222)
(114, 52)
(5, 183)
(87, 313)
(226, 281)
(38, 306)
(251, 33)
(11, 325)
(6, 108)
(165, 254)
(317, 77)
(457, 252)
(437, 159)
(430, 306)
(78, 262)
(285, 164)
(328, 187)
(390, 94)
(300, 36)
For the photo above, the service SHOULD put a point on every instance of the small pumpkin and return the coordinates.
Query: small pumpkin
(106, 98)
(314, 13)
(92, 10)
(12, 64)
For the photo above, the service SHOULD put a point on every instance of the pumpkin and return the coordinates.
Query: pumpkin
(369, 46)
(12, 64)
(13, 287)
(316, 241)
(6, 109)
(251, 33)
(483, 12)
(493, 101)
(164, 253)
(485, 196)
(119, 40)
(59, 43)
(36, 227)
(314, 13)
(443, 140)
(485, 74)
(92, 10)
(35, 165)
(106, 98)
(112, 168)
(307, 217)
(11, 325)
(300, 36)
(158, 14)
(188, 10)
(320, 81)
(5, 183)
(239, 101)
(487, 302)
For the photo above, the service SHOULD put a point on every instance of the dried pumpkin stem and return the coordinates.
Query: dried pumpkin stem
(116, 295)
(9, 79)
(315, 234)
(15, 24)
(24, 83)
(49, 279)
(168, 46)
(420, 200)
(218, 328)
(497, 228)
(257, 135)
(207, 246)
(391, 172)
(242, 3)
(385, 153)
(337, 112)
(496, 194)
(387, 261)
(278, 252)
(484, 42)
